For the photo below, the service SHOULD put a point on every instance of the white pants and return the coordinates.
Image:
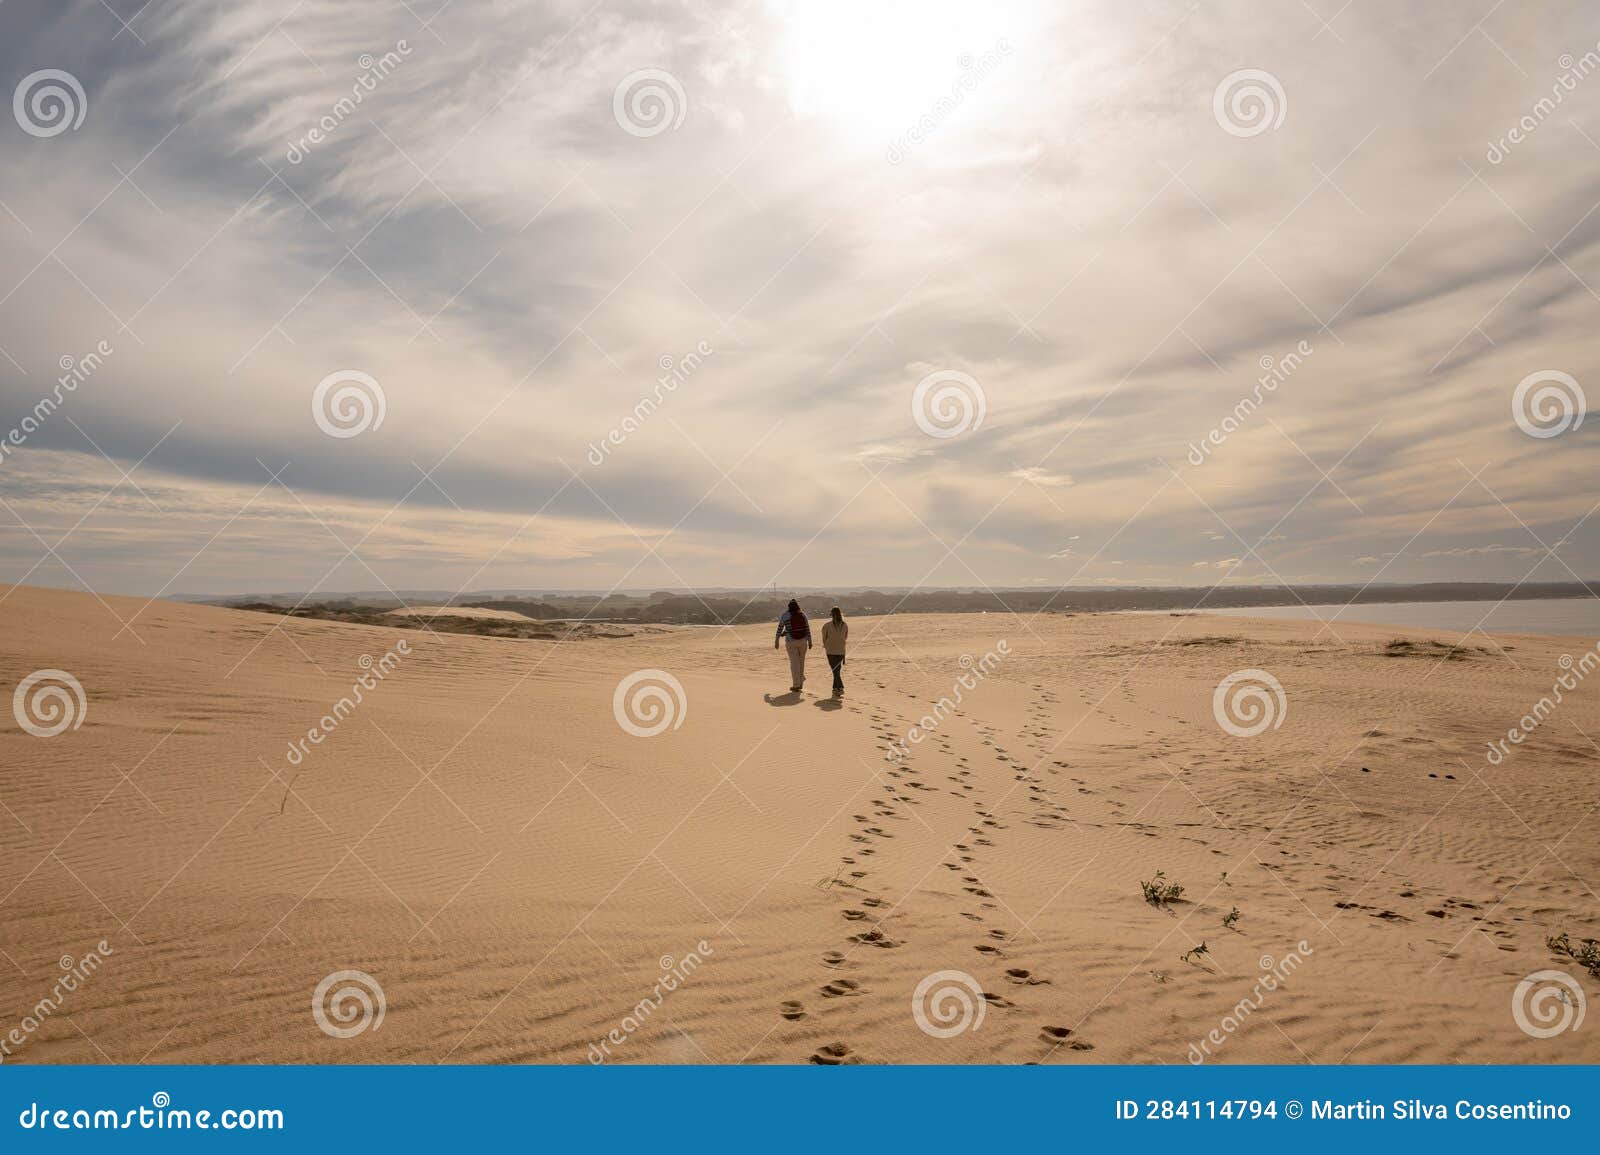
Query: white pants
(797, 660)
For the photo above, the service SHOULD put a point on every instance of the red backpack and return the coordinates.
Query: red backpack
(798, 626)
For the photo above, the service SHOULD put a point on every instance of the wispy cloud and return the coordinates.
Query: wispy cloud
(1081, 239)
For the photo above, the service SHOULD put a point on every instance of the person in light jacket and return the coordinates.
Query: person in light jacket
(794, 628)
(834, 633)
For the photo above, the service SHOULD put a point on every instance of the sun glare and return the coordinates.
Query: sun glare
(871, 70)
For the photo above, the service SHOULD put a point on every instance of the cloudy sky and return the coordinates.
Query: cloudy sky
(382, 294)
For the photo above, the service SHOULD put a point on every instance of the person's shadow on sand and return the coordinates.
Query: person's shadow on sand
(829, 704)
(792, 698)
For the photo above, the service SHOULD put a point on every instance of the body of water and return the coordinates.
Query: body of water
(1575, 617)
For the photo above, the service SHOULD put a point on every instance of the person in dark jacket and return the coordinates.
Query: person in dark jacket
(793, 628)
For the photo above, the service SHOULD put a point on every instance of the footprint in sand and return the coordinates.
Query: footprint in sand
(854, 915)
(970, 915)
(1024, 978)
(791, 1010)
(977, 890)
(1062, 1036)
(840, 988)
(874, 938)
(985, 948)
(834, 1055)
(833, 958)
(999, 934)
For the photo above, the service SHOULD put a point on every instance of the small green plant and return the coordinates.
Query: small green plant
(1159, 892)
(1194, 952)
(1586, 953)
(1230, 918)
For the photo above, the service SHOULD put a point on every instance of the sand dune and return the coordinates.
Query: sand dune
(517, 872)
(475, 612)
